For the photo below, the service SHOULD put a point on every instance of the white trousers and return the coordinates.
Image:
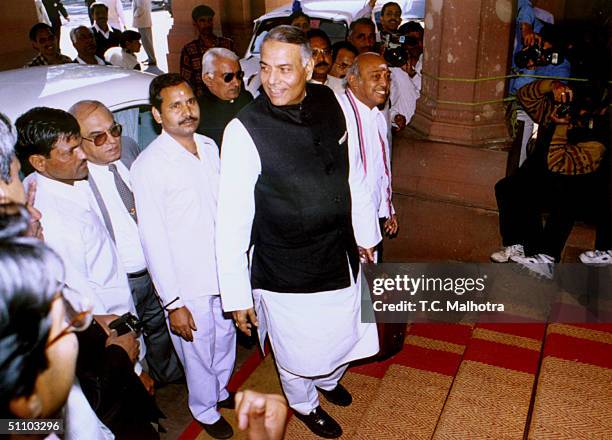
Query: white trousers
(302, 392)
(146, 37)
(208, 361)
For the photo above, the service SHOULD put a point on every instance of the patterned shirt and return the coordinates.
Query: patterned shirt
(39, 60)
(191, 61)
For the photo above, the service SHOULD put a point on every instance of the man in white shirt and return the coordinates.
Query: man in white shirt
(322, 56)
(175, 184)
(109, 181)
(368, 81)
(142, 21)
(288, 198)
(49, 143)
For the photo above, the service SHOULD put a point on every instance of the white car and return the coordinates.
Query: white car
(332, 16)
(125, 92)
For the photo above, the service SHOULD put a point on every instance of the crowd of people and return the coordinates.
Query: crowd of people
(124, 270)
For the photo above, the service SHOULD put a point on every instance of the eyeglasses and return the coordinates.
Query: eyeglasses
(229, 76)
(77, 321)
(115, 130)
(316, 52)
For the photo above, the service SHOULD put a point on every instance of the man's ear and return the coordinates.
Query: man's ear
(38, 162)
(26, 407)
(309, 69)
(206, 79)
(351, 80)
(156, 115)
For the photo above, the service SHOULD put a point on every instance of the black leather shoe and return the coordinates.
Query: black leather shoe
(338, 396)
(220, 429)
(229, 402)
(321, 423)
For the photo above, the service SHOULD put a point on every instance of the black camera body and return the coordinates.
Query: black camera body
(395, 52)
(126, 323)
(537, 56)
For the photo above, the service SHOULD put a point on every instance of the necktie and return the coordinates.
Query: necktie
(124, 192)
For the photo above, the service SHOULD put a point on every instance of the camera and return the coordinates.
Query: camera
(536, 56)
(394, 51)
(126, 323)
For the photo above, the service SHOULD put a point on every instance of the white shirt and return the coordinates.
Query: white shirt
(176, 201)
(116, 18)
(404, 94)
(118, 56)
(372, 156)
(125, 228)
(105, 34)
(336, 84)
(240, 169)
(74, 231)
(99, 60)
(141, 13)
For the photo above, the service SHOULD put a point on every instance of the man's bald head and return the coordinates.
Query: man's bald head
(369, 79)
(101, 134)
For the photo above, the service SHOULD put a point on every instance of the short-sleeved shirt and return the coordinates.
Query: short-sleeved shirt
(191, 61)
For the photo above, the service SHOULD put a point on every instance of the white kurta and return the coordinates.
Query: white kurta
(372, 156)
(312, 334)
(72, 228)
(404, 94)
(176, 201)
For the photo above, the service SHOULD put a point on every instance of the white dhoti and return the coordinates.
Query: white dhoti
(314, 336)
(208, 360)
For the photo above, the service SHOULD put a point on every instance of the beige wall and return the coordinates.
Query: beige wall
(16, 19)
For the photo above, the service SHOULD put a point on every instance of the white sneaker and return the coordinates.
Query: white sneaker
(596, 258)
(541, 265)
(516, 250)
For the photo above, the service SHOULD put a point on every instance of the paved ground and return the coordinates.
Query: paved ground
(162, 22)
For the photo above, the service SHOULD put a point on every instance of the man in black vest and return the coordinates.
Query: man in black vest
(287, 195)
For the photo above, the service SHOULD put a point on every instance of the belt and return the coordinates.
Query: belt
(142, 273)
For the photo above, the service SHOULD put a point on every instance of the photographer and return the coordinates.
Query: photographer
(560, 176)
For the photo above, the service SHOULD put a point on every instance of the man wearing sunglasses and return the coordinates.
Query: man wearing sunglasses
(108, 165)
(224, 94)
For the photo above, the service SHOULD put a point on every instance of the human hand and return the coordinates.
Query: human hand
(562, 92)
(182, 323)
(148, 382)
(127, 341)
(366, 255)
(35, 228)
(400, 122)
(390, 226)
(242, 318)
(263, 415)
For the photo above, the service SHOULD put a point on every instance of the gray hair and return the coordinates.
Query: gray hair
(291, 35)
(7, 148)
(353, 70)
(213, 54)
(75, 31)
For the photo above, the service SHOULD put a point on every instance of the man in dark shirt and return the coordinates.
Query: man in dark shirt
(191, 55)
(224, 94)
(105, 35)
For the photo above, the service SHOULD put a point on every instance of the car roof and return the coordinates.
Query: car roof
(62, 86)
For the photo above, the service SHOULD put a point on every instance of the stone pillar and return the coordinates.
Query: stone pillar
(16, 19)
(183, 31)
(465, 40)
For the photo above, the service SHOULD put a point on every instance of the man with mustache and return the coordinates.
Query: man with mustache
(362, 34)
(175, 183)
(292, 209)
(322, 58)
(43, 41)
(224, 94)
(368, 82)
(343, 55)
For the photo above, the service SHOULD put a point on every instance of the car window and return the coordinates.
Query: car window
(335, 30)
(138, 124)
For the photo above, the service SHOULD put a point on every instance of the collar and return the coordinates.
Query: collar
(106, 34)
(99, 60)
(76, 193)
(362, 108)
(298, 113)
(174, 146)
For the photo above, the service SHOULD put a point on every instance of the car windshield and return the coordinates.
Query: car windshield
(335, 30)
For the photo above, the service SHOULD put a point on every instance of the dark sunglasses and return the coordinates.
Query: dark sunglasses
(228, 77)
(115, 130)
